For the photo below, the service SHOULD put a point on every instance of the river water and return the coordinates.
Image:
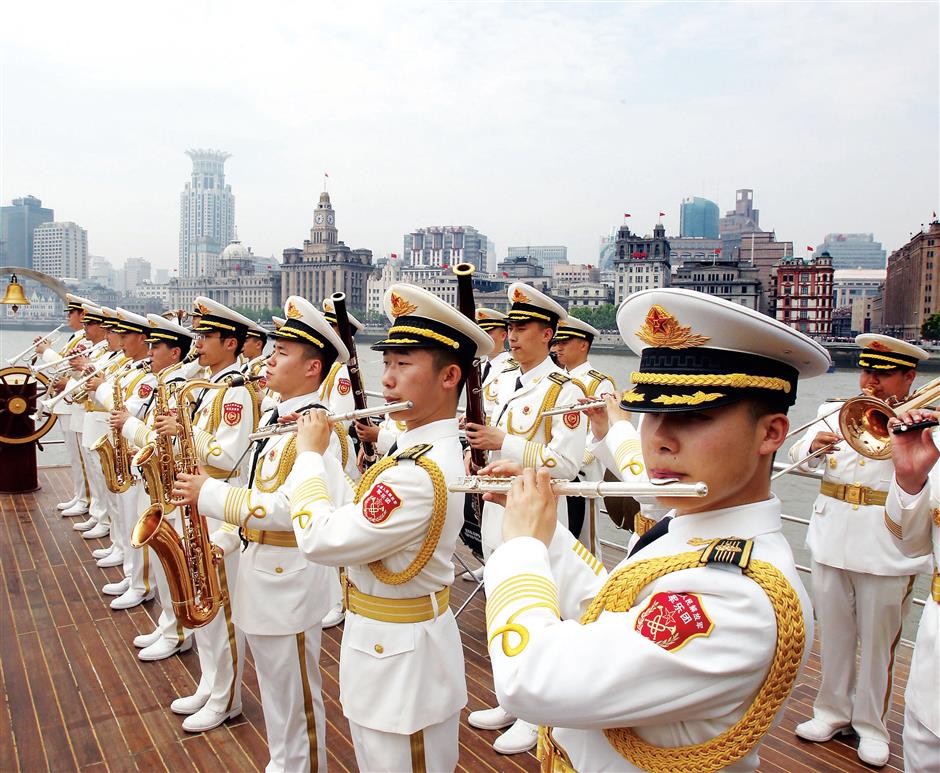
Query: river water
(797, 494)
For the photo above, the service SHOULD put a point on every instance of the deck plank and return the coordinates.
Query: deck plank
(76, 697)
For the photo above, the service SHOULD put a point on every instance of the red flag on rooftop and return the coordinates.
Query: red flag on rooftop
(809, 249)
(505, 273)
(394, 255)
(626, 214)
(662, 214)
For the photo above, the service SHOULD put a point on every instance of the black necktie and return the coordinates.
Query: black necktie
(486, 371)
(392, 449)
(259, 449)
(652, 535)
(518, 383)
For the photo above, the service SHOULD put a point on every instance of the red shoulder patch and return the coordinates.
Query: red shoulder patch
(380, 503)
(572, 419)
(343, 386)
(263, 382)
(144, 390)
(671, 620)
(232, 413)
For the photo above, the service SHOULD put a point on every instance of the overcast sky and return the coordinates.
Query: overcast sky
(538, 123)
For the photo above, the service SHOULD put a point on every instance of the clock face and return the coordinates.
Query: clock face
(319, 218)
(329, 219)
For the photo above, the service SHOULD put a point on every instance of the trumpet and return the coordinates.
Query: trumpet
(573, 408)
(65, 364)
(46, 406)
(32, 347)
(364, 413)
(490, 484)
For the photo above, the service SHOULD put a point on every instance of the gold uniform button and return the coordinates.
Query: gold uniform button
(379, 648)
(278, 569)
(861, 462)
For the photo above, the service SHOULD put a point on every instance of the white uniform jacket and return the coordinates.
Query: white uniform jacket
(490, 390)
(95, 423)
(679, 667)
(76, 343)
(278, 592)
(843, 535)
(136, 387)
(418, 667)
(913, 521)
(336, 390)
(594, 384)
(556, 442)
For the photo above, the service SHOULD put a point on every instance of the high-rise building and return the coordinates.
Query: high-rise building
(762, 250)
(61, 250)
(854, 251)
(207, 214)
(326, 265)
(723, 276)
(136, 272)
(802, 292)
(642, 262)
(607, 251)
(547, 256)
(850, 284)
(743, 219)
(101, 271)
(909, 294)
(698, 218)
(17, 224)
(446, 245)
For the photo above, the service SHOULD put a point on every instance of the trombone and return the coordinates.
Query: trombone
(364, 413)
(491, 484)
(32, 347)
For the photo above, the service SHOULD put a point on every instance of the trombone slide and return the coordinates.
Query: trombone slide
(485, 484)
(291, 426)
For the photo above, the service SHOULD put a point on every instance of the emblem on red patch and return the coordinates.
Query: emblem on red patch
(344, 386)
(232, 413)
(572, 419)
(878, 346)
(380, 503)
(263, 382)
(144, 390)
(671, 620)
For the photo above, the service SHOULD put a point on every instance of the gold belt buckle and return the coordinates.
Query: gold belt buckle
(853, 494)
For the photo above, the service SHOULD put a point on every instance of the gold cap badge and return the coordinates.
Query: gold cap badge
(202, 308)
(400, 306)
(292, 311)
(519, 297)
(878, 346)
(661, 329)
(328, 306)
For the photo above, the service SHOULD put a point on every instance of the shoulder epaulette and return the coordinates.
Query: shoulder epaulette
(415, 452)
(511, 363)
(511, 366)
(596, 374)
(728, 550)
(559, 378)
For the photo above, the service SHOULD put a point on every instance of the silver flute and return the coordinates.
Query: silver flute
(334, 418)
(573, 408)
(490, 484)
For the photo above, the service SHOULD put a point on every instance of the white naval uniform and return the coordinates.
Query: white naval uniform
(594, 384)
(279, 602)
(389, 430)
(621, 676)
(532, 440)
(861, 588)
(222, 422)
(137, 386)
(63, 410)
(419, 665)
(492, 367)
(913, 521)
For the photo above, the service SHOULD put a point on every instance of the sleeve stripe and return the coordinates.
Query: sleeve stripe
(894, 528)
(587, 557)
(523, 583)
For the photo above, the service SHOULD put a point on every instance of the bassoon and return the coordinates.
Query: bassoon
(369, 454)
(473, 510)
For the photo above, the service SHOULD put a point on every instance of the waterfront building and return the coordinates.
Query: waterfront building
(842, 323)
(851, 283)
(547, 256)
(802, 293)
(60, 249)
(686, 248)
(569, 273)
(909, 297)
(736, 223)
(723, 276)
(762, 250)
(698, 218)
(101, 270)
(607, 251)
(207, 214)
(445, 245)
(136, 272)
(17, 224)
(864, 319)
(854, 251)
(642, 262)
(326, 265)
(591, 294)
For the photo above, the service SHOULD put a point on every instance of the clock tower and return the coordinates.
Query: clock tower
(324, 222)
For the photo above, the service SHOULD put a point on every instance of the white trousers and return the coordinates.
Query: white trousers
(137, 561)
(221, 648)
(921, 747)
(434, 749)
(73, 447)
(294, 717)
(99, 501)
(864, 612)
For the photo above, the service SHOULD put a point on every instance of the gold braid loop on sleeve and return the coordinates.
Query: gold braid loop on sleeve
(435, 526)
(343, 434)
(618, 595)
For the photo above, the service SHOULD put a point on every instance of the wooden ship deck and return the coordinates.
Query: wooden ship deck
(77, 698)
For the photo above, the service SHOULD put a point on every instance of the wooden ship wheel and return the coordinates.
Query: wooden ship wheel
(20, 390)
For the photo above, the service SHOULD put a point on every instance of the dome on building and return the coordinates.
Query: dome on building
(236, 251)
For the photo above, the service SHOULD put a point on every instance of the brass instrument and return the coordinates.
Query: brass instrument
(61, 367)
(156, 460)
(113, 451)
(489, 484)
(365, 413)
(190, 562)
(29, 349)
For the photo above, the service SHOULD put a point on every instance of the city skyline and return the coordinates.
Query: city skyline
(835, 131)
